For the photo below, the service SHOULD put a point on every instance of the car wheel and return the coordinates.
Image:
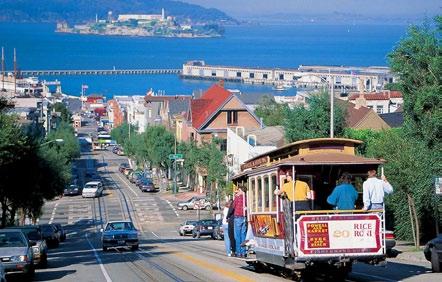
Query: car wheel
(193, 235)
(185, 208)
(435, 263)
(208, 207)
(104, 249)
(214, 237)
(134, 248)
(198, 234)
(181, 233)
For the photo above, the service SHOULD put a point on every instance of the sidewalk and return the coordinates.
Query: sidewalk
(407, 252)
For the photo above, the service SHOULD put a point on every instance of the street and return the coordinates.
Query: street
(163, 254)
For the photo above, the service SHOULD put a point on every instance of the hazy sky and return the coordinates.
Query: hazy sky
(244, 8)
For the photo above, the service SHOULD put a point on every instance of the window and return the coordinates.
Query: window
(273, 198)
(251, 139)
(223, 145)
(379, 109)
(232, 117)
(265, 76)
(238, 74)
(259, 195)
(251, 75)
(281, 76)
(253, 198)
(266, 194)
(213, 73)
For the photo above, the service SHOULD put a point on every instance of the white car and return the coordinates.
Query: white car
(92, 189)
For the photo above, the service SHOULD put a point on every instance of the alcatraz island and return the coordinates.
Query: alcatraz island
(148, 25)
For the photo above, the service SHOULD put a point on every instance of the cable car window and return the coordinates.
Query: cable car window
(265, 194)
(252, 194)
(259, 190)
(273, 198)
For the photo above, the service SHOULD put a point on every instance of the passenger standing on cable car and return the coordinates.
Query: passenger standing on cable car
(240, 221)
(374, 190)
(298, 192)
(344, 195)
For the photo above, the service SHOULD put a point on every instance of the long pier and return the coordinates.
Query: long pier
(99, 72)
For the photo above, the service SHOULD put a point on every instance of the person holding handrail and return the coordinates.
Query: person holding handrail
(374, 190)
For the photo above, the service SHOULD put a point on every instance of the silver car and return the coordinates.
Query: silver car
(16, 252)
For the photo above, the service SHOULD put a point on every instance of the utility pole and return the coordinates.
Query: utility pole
(174, 171)
(15, 73)
(3, 68)
(332, 96)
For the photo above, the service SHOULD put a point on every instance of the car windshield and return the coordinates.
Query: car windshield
(91, 186)
(32, 234)
(208, 222)
(12, 239)
(119, 226)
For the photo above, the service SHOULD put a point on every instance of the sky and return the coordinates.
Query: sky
(250, 8)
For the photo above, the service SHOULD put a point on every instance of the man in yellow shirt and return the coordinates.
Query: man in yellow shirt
(301, 193)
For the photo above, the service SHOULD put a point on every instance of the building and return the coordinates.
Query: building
(36, 112)
(142, 17)
(381, 102)
(360, 117)
(243, 145)
(216, 110)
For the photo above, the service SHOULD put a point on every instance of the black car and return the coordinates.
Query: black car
(146, 185)
(51, 235)
(433, 253)
(72, 190)
(61, 231)
(204, 227)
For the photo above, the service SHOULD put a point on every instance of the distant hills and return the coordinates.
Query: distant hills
(76, 11)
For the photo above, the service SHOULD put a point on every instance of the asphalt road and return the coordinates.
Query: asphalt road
(163, 254)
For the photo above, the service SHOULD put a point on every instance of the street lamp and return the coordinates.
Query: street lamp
(59, 141)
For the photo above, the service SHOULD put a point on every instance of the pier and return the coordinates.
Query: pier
(99, 72)
(342, 77)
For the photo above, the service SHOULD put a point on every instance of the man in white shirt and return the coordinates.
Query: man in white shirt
(374, 190)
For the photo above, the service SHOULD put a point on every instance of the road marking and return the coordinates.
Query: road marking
(375, 277)
(103, 270)
(126, 184)
(53, 213)
(174, 210)
(155, 235)
(211, 267)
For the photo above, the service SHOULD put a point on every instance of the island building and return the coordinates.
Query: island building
(142, 17)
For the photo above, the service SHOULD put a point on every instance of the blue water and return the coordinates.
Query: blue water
(39, 47)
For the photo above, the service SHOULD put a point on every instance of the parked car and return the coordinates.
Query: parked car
(16, 252)
(92, 189)
(50, 235)
(190, 204)
(204, 227)
(61, 231)
(72, 190)
(119, 234)
(218, 232)
(146, 185)
(390, 241)
(134, 176)
(39, 247)
(433, 253)
(186, 227)
(127, 172)
(123, 166)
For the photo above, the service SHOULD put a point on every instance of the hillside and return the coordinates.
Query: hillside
(75, 11)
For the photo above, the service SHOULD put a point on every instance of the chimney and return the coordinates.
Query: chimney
(221, 83)
(360, 101)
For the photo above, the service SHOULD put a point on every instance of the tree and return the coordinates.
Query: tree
(70, 148)
(121, 133)
(314, 121)
(64, 112)
(271, 112)
(410, 168)
(417, 59)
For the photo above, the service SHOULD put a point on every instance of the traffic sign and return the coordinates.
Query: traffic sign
(175, 156)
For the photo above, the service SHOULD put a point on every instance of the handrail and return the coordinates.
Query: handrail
(337, 211)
